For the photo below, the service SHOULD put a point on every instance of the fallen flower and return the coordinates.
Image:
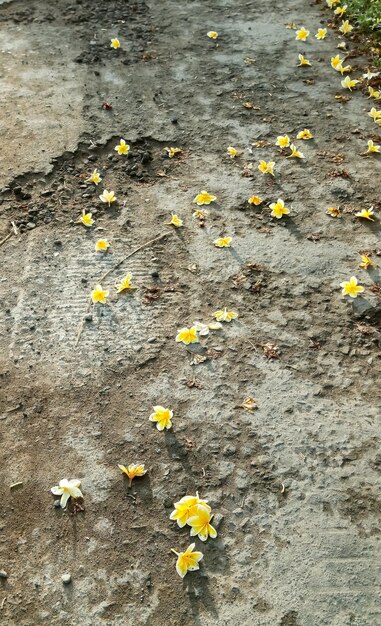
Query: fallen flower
(200, 214)
(374, 114)
(278, 209)
(171, 152)
(185, 508)
(295, 153)
(366, 214)
(249, 404)
(346, 27)
(348, 83)
(366, 262)
(332, 3)
(203, 329)
(67, 489)
(187, 561)
(303, 60)
(212, 34)
(373, 93)
(101, 245)
(204, 198)
(271, 351)
(86, 218)
(99, 295)
(107, 197)
(115, 43)
(302, 34)
(336, 62)
(162, 417)
(176, 221)
(283, 141)
(133, 471)
(266, 167)
(222, 242)
(125, 284)
(94, 178)
(372, 147)
(255, 200)
(200, 524)
(334, 212)
(187, 335)
(225, 315)
(340, 10)
(304, 134)
(232, 151)
(122, 147)
(321, 34)
(351, 287)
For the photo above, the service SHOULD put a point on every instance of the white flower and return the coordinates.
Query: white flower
(66, 489)
(370, 75)
(203, 329)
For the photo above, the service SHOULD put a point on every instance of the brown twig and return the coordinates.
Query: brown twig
(110, 271)
(6, 238)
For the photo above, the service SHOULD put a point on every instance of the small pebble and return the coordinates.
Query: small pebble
(3, 574)
(66, 579)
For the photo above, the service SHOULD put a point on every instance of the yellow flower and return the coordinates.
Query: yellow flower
(107, 197)
(187, 561)
(346, 27)
(225, 315)
(222, 242)
(212, 34)
(162, 417)
(67, 489)
(295, 153)
(334, 211)
(336, 62)
(200, 214)
(347, 83)
(340, 10)
(86, 218)
(302, 34)
(125, 284)
(278, 209)
(374, 114)
(99, 295)
(283, 141)
(200, 524)
(187, 335)
(171, 152)
(186, 508)
(303, 60)
(115, 43)
(304, 134)
(366, 214)
(321, 34)
(101, 245)
(204, 198)
(351, 288)
(372, 147)
(255, 200)
(176, 221)
(94, 178)
(373, 93)
(132, 471)
(232, 151)
(332, 3)
(122, 147)
(266, 167)
(366, 262)
(342, 70)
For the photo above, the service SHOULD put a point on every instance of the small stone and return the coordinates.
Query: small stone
(31, 225)
(3, 574)
(56, 504)
(66, 579)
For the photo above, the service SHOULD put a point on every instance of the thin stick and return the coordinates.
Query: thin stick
(6, 238)
(147, 243)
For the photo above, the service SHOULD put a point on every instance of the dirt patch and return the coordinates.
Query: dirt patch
(294, 483)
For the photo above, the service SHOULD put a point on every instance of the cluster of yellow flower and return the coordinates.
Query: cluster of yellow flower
(191, 335)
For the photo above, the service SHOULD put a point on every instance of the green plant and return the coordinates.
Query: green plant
(367, 14)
